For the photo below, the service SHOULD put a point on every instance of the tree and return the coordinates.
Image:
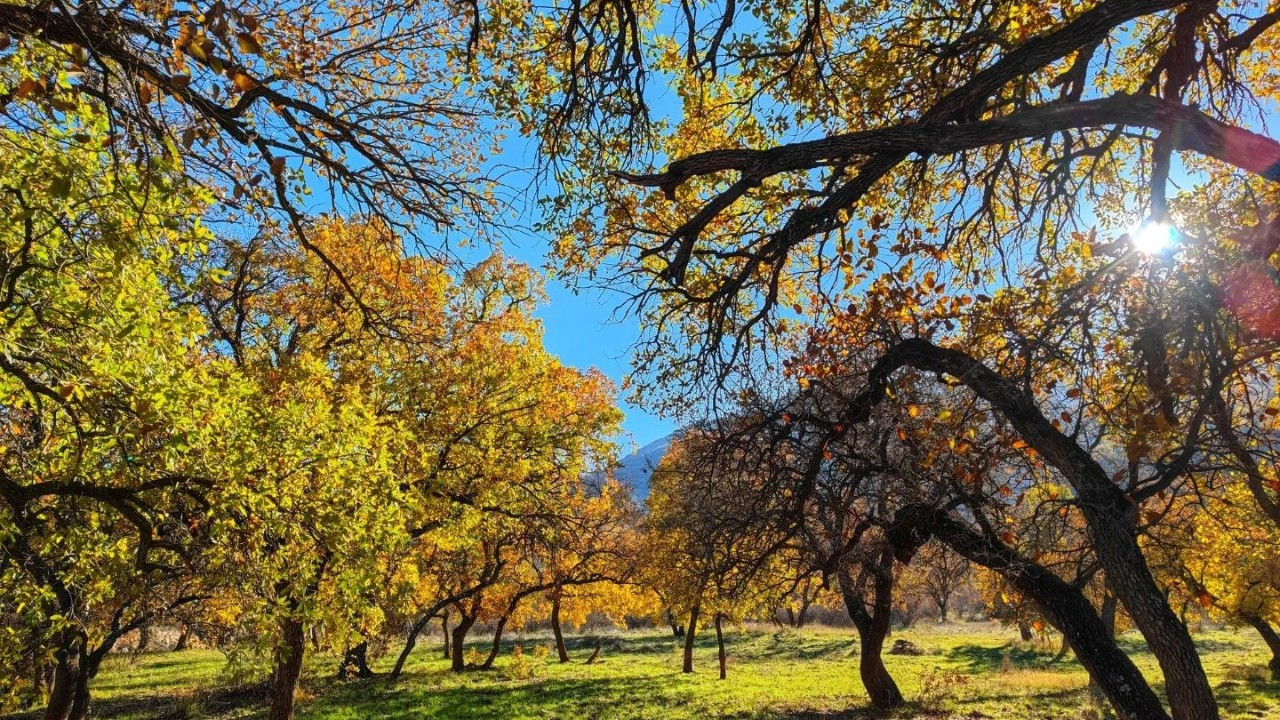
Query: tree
(115, 428)
(944, 574)
(270, 105)
(961, 141)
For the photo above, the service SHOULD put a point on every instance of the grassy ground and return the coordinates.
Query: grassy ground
(968, 671)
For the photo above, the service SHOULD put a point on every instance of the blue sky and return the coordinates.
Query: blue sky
(582, 327)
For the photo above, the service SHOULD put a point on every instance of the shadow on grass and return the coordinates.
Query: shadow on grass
(211, 702)
(986, 659)
(414, 697)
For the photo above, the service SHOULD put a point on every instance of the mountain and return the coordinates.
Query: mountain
(635, 469)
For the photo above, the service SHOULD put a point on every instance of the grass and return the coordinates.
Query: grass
(968, 671)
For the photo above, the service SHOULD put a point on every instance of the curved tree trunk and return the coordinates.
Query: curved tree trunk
(1107, 510)
(460, 630)
(690, 633)
(720, 646)
(873, 628)
(497, 644)
(1067, 609)
(561, 651)
(1272, 639)
(409, 644)
(288, 668)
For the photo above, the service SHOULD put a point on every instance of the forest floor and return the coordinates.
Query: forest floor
(968, 670)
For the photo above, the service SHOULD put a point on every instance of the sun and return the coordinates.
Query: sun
(1153, 237)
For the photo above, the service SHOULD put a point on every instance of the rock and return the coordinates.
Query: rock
(905, 647)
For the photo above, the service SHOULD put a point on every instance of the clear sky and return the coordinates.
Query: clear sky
(581, 327)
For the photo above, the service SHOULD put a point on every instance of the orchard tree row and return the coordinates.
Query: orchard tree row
(989, 278)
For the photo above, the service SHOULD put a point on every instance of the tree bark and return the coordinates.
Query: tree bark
(1272, 639)
(410, 642)
(720, 646)
(873, 628)
(1064, 605)
(69, 689)
(1024, 631)
(444, 627)
(497, 644)
(1107, 510)
(562, 652)
(689, 634)
(288, 668)
(459, 642)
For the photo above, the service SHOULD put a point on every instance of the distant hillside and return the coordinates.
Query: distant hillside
(636, 468)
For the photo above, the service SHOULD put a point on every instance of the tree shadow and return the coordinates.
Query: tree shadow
(986, 658)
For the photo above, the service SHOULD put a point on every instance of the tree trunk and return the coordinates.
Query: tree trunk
(184, 639)
(942, 610)
(803, 616)
(1024, 631)
(1109, 613)
(791, 618)
(561, 651)
(144, 637)
(689, 634)
(288, 667)
(355, 662)
(69, 690)
(444, 626)
(873, 628)
(720, 646)
(1107, 510)
(497, 644)
(595, 654)
(1066, 608)
(1272, 639)
(459, 642)
(410, 642)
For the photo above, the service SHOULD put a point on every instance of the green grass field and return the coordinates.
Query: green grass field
(973, 670)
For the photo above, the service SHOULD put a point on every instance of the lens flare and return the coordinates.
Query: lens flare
(1153, 237)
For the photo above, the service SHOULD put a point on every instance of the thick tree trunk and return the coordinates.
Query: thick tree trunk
(942, 611)
(144, 637)
(459, 642)
(288, 668)
(791, 618)
(562, 652)
(1107, 510)
(690, 633)
(873, 628)
(444, 626)
(497, 644)
(69, 689)
(1024, 631)
(1067, 609)
(355, 662)
(720, 646)
(1272, 639)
